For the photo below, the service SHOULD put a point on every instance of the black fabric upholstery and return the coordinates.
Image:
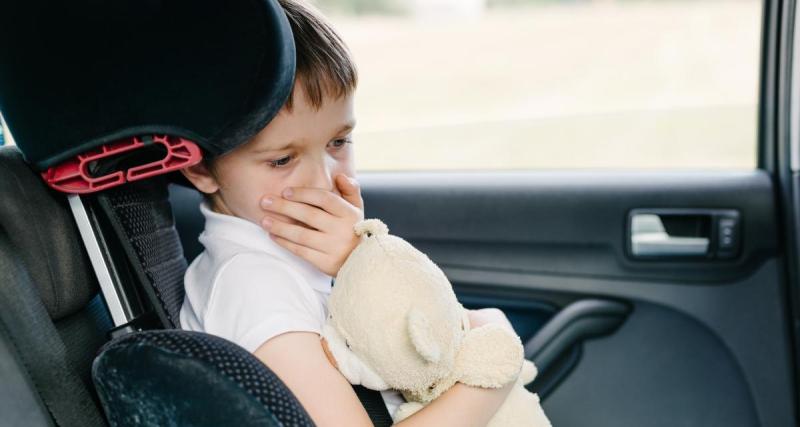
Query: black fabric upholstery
(84, 333)
(37, 344)
(44, 236)
(92, 72)
(190, 379)
(142, 219)
(49, 304)
(19, 402)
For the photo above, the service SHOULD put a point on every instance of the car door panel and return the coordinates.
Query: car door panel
(705, 342)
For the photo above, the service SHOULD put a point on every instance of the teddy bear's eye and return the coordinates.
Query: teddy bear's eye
(346, 343)
(432, 386)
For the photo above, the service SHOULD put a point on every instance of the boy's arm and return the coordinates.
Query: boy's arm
(300, 362)
(461, 405)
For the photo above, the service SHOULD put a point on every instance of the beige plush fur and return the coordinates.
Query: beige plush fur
(395, 323)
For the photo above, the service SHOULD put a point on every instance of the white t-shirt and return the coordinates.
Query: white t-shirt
(247, 289)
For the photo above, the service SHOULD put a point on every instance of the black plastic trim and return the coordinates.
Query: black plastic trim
(575, 323)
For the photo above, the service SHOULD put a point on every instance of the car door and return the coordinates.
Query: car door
(651, 292)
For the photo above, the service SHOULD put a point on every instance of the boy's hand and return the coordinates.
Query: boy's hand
(329, 238)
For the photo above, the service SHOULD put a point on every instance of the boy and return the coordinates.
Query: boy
(268, 292)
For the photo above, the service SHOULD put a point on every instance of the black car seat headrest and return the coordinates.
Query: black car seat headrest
(90, 88)
(84, 73)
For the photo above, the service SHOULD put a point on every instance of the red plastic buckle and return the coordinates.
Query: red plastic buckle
(73, 175)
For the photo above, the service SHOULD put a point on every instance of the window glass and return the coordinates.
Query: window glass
(531, 84)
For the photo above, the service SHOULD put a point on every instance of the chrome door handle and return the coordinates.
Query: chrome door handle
(650, 238)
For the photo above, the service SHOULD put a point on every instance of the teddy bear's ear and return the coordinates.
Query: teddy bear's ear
(421, 333)
(370, 227)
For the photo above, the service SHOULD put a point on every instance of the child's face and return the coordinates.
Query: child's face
(302, 148)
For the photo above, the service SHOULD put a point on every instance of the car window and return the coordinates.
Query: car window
(531, 84)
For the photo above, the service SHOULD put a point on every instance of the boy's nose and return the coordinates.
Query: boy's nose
(323, 178)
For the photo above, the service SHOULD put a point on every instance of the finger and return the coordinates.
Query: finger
(316, 258)
(294, 233)
(350, 189)
(307, 214)
(323, 199)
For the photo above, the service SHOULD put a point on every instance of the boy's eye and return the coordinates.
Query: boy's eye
(339, 143)
(283, 161)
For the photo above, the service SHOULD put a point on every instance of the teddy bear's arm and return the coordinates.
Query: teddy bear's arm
(491, 356)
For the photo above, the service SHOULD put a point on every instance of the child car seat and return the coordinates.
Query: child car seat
(126, 91)
(139, 86)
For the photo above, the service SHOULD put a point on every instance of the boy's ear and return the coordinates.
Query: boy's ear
(201, 178)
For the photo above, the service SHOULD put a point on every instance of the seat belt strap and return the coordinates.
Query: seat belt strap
(375, 406)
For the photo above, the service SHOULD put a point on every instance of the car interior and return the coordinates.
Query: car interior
(644, 298)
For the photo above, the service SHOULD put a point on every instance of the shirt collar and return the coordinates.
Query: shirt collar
(220, 227)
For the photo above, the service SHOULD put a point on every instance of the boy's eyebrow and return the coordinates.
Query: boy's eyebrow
(347, 127)
(270, 148)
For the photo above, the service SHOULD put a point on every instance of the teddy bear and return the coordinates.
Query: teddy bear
(394, 323)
